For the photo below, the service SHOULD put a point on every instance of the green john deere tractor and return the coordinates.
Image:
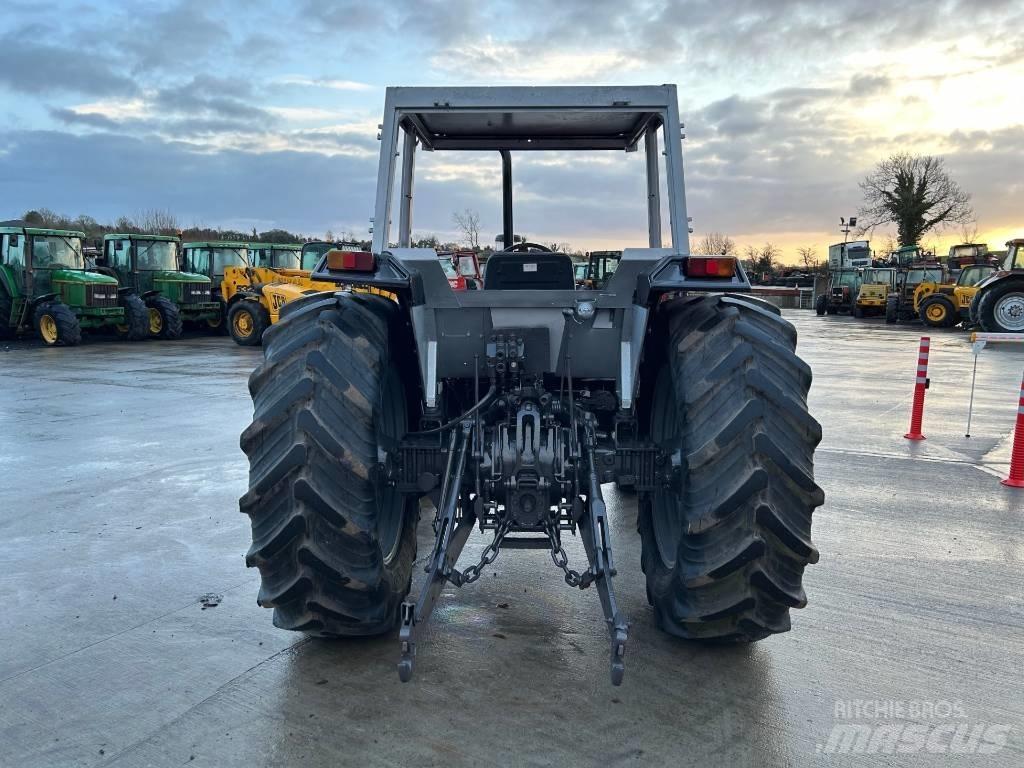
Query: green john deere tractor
(146, 266)
(44, 286)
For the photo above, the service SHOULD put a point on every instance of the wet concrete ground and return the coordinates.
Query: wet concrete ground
(119, 477)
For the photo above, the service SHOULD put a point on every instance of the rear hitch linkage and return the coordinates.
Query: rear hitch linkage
(453, 526)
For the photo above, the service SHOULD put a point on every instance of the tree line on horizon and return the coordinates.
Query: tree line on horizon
(913, 193)
(161, 222)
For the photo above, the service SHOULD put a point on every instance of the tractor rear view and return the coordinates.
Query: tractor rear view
(841, 292)
(509, 407)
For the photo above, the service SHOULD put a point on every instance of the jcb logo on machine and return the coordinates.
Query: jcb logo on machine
(277, 300)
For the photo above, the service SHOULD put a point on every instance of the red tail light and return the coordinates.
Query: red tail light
(719, 266)
(351, 261)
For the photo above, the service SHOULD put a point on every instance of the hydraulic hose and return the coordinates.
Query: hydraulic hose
(449, 424)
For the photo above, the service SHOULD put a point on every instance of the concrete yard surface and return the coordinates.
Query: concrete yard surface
(130, 634)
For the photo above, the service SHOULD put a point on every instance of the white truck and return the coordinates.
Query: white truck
(852, 255)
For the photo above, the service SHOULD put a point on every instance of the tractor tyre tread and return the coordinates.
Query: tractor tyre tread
(747, 443)
(892, 310)
(260, 322)
(987, 299)
(170, 312)
(952, 314)
(313, 454)
(136, 318)
(69, 330)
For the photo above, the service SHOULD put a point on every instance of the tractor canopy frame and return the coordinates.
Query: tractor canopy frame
(452, 327)
(507, 119)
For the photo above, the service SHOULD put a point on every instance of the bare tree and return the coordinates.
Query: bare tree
(915, 193)
(329, 236)
(969, 230)
(750, 254)
(716, 244)
(808, 257)
(468, 223)
(157, 221)
(764, 259)
(890, 245)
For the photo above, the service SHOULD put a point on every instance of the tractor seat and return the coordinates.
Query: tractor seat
(535, 271)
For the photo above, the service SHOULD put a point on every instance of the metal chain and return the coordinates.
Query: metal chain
(490, 553)
(561, 561)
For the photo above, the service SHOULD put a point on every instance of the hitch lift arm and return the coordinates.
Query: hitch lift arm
(452, 533)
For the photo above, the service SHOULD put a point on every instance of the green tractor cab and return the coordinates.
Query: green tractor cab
(210, 259)
(146, 267)
(276, 255)
(44, 285)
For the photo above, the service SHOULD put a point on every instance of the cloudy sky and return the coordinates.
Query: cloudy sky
(264, 113)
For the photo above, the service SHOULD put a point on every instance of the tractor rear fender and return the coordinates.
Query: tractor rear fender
(148, 295)
(998, 276)
(595, 334)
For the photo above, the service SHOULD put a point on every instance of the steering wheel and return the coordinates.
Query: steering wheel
(527, 248)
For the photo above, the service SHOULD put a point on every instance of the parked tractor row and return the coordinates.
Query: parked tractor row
(141, 286)
(970, 287)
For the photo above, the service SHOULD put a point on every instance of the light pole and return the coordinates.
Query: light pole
(845, 227)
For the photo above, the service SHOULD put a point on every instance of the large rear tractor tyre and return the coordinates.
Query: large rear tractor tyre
(334, 543)
(937, 311)
(725, 543)
(1001, 307)
(136, 319)
(247, 320)
(820, 305)
(57, 325)
(164, 318)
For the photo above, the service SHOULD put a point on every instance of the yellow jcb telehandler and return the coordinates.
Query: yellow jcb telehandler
(943, 305)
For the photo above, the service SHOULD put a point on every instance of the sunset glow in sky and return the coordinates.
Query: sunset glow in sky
(264, 114)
